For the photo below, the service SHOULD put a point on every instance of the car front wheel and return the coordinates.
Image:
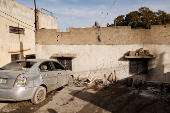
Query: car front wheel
(39, 95)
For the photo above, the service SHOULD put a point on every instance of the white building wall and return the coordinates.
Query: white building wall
(104, 59)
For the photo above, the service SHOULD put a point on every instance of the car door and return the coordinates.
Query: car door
(46, 71)
(59, 70)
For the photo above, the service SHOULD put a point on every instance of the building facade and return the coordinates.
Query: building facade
(107, 50)
(17, 30)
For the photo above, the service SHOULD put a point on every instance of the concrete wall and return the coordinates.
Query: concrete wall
(120, 35)
(17, 15)
(104, 59)
(47, 21)
(107, 54)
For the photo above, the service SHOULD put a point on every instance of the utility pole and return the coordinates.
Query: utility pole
(115, 11)
(35, 16)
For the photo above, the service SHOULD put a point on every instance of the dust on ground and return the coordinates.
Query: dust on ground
(113, 98)
(27, 106)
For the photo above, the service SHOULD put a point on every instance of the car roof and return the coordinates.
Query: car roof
(36, 60)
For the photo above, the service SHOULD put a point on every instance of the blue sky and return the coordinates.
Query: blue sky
(83, 13)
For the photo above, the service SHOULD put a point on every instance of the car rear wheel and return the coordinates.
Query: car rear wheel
(39, 95)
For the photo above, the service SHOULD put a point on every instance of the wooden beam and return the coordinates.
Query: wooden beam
(138, 56)
(19, 51)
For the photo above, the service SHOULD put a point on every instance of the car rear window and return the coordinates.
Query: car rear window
(18, 66)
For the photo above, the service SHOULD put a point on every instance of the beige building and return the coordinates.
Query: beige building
(98, 50)
(103, 50)
(17, 30)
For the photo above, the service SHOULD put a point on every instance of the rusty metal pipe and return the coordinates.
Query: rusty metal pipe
(19, 51)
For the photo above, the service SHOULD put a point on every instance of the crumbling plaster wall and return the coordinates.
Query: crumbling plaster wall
(105, 56)
(17, 15)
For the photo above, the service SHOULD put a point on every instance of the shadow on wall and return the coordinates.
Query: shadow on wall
(123, 57)
(157, 73)
(154, 74)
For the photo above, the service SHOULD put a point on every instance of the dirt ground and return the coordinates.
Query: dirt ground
(113, 98)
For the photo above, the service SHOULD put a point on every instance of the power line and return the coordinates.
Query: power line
(108, 12)
(16, 22)
(17, 19)
(99, 30)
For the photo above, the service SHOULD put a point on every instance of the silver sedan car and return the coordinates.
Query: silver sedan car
(32, 79)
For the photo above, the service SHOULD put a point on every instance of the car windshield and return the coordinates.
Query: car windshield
(18, 66)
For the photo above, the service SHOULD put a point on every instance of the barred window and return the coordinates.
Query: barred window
(16, 30)
(66, 62)
(138, 66)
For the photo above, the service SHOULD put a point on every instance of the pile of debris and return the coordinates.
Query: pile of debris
(139, 53)
(91, 80)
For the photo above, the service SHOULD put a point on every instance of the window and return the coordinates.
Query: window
(16, 30)
(15, 57)
(46, 66)
(18, 66)
(26, 64)
(31, 56)
(58, 66)
(138, 66)
(66, 62)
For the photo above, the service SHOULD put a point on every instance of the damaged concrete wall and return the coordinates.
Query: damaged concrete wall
(121, 35)
(104, 59)
(16, 15)
(107, 54)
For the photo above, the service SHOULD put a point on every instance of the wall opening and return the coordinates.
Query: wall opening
(31, 56)
(15, 57)
(16, 30)
(138, 66)
(66, 62)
